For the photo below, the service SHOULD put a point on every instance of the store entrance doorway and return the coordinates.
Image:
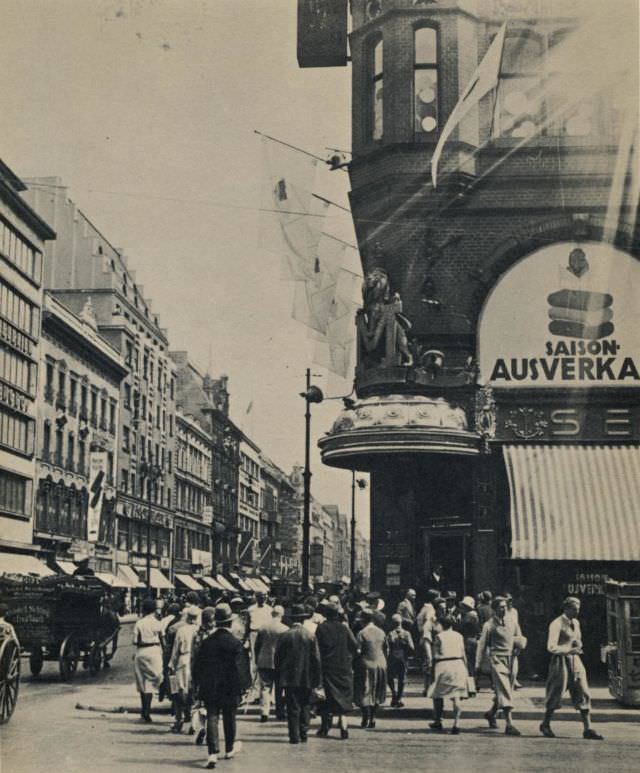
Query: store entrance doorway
(449, 550)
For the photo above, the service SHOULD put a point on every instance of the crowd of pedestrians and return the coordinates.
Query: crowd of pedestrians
(323, 654)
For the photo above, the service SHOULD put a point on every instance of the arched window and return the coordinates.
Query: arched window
(376, 103)
(425, 80)
(519, 108)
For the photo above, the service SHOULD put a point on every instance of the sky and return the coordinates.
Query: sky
(147, 111)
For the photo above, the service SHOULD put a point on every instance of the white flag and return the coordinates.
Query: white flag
(482, 81)
(291, 218)
(97, 475)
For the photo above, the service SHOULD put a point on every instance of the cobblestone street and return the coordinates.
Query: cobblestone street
(50, 732)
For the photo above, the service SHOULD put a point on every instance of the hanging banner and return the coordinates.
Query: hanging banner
(564, 316)
(97, 480)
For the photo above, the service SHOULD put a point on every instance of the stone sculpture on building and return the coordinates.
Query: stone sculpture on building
(382, 327)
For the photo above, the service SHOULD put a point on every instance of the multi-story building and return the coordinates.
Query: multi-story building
(270, 561)
(22, 241)
(84, 264)
(194, 512)
(78, 422)
(250, 496)
(208, 399)
(498, 370)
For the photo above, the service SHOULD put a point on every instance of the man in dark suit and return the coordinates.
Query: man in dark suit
(297, 662)
(219, 678)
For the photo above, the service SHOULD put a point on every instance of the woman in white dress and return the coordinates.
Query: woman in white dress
(450, 675)
(147, 662)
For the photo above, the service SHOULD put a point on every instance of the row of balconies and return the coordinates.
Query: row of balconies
(71, 407)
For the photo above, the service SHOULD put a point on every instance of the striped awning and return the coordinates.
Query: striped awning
(574, 503)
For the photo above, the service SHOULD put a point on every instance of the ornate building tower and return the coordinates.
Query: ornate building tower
(471, 286)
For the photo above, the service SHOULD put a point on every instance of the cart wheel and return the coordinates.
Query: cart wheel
(9, 679)
(95, 659)
(35, 662)
(69, 655)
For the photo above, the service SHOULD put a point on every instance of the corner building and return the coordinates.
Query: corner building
(497, 376)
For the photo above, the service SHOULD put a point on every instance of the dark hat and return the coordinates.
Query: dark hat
(330, 610)
(148, 605)
(223, 614)
(236, 601)
(298, 612)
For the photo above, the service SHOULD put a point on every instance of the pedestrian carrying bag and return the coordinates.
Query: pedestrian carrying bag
(198, 718)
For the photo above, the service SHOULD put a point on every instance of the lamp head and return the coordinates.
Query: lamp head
(313, 394)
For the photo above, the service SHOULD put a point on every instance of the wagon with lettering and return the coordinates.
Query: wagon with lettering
(61, 619)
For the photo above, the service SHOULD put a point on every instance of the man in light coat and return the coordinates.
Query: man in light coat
(566, 671)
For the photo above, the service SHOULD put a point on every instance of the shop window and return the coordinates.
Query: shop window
(519, 109)
(425, 80)
(376, 78)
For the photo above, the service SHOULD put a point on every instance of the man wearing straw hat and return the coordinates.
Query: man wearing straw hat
(297, 663)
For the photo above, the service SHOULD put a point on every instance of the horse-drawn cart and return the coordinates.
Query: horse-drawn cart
(62, 619)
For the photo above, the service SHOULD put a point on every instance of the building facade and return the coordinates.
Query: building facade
(22, 243)
(78, 422)
(83, 265)
(270, 545)
(250, 498)
(497, 377)
(207, 399)
(194, 512)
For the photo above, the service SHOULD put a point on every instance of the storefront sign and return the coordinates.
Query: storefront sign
(560, 421)
(587, 585)
(201, 558)
(392, 575)
(564, 316)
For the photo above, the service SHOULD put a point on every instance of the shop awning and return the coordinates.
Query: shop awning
(66, 567)
(225, 583)
(129, 576)
(212, 583)
(110, 580)
(158, 581)
(266, 580)
(19, 563)
(574, 503)
(188, 581)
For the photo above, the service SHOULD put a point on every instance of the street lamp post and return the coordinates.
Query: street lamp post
(362, 484)
(151, 472)
(312, 394)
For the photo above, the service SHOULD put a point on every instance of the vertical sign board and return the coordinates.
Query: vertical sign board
(97, 480)
(322, 33)
(316, 559)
